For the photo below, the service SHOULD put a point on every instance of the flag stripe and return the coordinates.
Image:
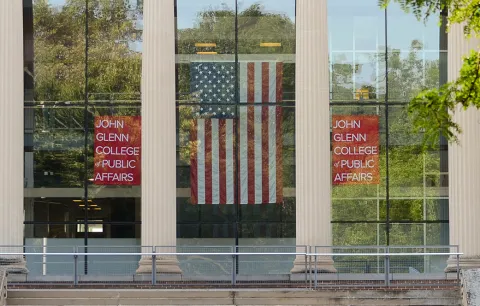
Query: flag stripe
(265, 155)
(272, 82)
(279, 157)
(258, 81)
(208, 161)
(251, 82)
(258, 153)
(251, 154)
(265, 131)
(279, 87)
(193, 162)
(250, 133)
(215, 163)
(265, 82)
(201, 160)
(272, 152)
(230, 172)
(243, 149)
(243, 82)
(222, 138)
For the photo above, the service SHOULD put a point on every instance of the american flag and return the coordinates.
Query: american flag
(257, 146)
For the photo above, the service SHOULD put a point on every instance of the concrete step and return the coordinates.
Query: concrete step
(228, 297)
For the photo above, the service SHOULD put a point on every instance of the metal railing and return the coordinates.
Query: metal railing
(227, 266)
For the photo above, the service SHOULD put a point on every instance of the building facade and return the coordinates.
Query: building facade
(248, 112)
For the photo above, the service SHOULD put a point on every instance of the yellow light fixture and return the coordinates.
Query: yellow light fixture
(81, 201)
(82, 205)
(270, 44)
(206, 52)
(97, 208)
(205, 45)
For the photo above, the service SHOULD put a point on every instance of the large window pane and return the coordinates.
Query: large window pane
(217, 75)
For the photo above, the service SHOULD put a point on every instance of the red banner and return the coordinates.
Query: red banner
(117, 148)
(355, 149)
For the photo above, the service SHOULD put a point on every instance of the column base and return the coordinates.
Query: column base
(464, 263)
(163, 264)
(324, 265)
(13, 264)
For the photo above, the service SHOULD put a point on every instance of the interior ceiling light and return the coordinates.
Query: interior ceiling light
(205, 45)
(270, 44)
(206, 52)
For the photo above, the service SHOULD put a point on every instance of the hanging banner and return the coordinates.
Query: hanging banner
(117, 150)
(355, 149)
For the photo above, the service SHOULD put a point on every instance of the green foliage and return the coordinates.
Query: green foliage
(420, 8)
(432, 108)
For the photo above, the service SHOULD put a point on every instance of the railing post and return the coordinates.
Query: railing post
(154, 268)
(315, 272)
(306, 271)
(458, 267)
(387, 267)
(75, 269)
(310, 266)
(234, 270)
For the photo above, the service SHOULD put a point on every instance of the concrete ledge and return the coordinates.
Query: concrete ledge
(234, 297)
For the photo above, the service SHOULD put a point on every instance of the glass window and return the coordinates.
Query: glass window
(235, 84)
(66, 87)
(236, 115)
(362, 59)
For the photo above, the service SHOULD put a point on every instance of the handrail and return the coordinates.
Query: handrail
(3, 287)
(236, 254)
(157, 254)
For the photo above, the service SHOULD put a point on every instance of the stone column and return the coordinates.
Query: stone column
(313, 175)
(159, 220)
(464, 165)
(11, 129)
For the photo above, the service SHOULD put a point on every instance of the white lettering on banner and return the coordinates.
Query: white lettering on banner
(353, 177)
(114, 177)
(119, 164)
(345, 124)
(347, 137)
(368, 150)
(357, 164)
(110, 124)
(118, 150)
(112, 137)
(355, 149)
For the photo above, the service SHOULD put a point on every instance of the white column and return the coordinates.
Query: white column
(11, 124)
(313, 176)
(464, 164)
(158, 134)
